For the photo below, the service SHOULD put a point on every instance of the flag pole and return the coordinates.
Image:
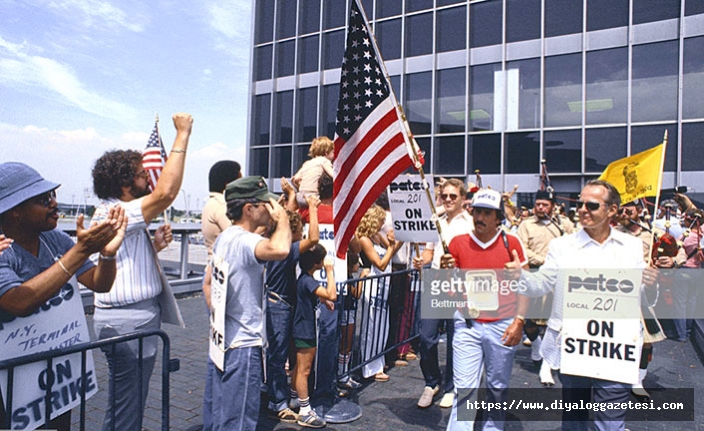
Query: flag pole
(158, 134)
(406, 127)
(657, 196)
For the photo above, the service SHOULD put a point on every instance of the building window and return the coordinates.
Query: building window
(522, 154)
(306, 107)
(646, 137)
(562, 150)
(449, 155)
(418, 91)
(522, 20)
(388, 36)
(283, 117)
(285, 58)
(692, 148)
(523, 95)
(484, 154)
(603, 146)
(485, 23)
(481, 96)
(655, 10)
(310, 17)
(281, 158)
(563, 90)
(262, 116)
(416, 5)
(333, 49)
(450, 98)
(607, 86)
(259, 162)
(603, 14)
(693, 7)
(332, 13)
(300, 155)
(387, 8)
(419, 34)
(262, 62)
(693, 78)
(265, 21)
(308, 54)
(451, 29)
(563, 17)
(331, 95)
(286, 19)
(444, 2)
(654, 86)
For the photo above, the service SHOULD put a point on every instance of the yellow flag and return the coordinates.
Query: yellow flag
(636, 176)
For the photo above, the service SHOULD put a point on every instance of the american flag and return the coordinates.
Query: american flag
(154, 157)
(372, 146)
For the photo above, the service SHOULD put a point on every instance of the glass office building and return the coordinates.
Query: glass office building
(494, 85)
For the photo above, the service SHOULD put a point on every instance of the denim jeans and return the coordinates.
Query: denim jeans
(576, 388)
(279, 315)
(236, 391)
(328, 348)
(429, 362)
(475, 350)
(123, 361)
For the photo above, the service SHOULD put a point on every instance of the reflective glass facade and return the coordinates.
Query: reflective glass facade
(494, 85)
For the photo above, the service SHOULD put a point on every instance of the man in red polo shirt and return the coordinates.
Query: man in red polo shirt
(487, 340)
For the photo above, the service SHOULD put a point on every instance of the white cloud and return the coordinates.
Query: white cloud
(101, 14)
(231, 20)
(44, 73)
(67, 157)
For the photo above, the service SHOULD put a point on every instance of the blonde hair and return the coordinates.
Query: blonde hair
(320, 146)
(371, 222)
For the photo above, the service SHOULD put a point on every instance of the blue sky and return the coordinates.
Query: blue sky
(80, 77)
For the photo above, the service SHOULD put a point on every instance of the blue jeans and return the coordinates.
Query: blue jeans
(429, 362)
(577, 388)
(279, 315)
(236, 391)
(328, 348)
(477, 349)
(128, 403)
(685, 301)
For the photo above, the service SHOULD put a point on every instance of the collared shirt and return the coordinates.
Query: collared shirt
(536, 234)
(138, 272)
(460, 224)
(574, 251)
(214, 219)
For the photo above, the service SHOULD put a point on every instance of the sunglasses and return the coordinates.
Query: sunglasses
(591, 206)
(45, 199)
(452, 196)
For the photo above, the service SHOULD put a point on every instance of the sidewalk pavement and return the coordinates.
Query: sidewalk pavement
(385, 406)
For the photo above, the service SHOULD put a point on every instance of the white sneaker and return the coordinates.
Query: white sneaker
(447, 400)
(546, 375)
(638, 389)
(426, 399)
(535, 350)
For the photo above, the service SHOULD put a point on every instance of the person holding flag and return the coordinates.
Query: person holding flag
(121, 177)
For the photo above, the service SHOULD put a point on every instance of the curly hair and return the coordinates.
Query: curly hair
(114, 170)
(371, 222)
(320, 146)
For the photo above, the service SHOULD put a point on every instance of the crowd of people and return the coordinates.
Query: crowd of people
(269, 314)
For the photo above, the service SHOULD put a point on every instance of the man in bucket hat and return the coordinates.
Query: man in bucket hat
(486, 339)
(41, 262)
(235, 278)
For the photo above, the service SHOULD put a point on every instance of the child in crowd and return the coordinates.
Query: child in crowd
(347, 304)
(306, 179)
(308, 292)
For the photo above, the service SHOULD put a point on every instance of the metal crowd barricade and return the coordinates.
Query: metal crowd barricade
(168, 366)
(364, 304)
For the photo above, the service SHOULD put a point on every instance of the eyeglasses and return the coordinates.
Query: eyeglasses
(143, 173)
(452, 196)
(591, 206)
(46, 198)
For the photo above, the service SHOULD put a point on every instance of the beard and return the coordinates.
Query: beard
(138, 193)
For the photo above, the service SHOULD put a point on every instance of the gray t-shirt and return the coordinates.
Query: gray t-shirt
(17, 265)
(244, 316)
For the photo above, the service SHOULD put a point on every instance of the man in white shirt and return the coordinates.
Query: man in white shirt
(597, 245)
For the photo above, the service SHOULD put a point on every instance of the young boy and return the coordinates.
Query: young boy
(308, 292)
